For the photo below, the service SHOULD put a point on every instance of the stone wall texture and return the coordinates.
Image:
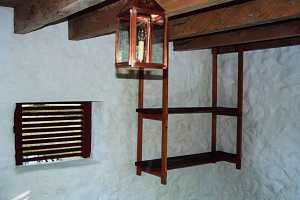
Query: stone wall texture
(45, 66)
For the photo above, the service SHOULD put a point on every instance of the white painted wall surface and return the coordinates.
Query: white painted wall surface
(45, 66)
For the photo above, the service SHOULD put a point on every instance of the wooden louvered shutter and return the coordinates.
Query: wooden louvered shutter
(51, 131)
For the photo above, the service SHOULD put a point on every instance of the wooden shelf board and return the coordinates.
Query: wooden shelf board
(187, 161)
(187, 110)
(155, 172)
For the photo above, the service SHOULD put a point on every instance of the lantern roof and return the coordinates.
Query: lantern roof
(143, 6)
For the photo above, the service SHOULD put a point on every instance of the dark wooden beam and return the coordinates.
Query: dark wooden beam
(97, 22)
(273, 31)
(34, 14)
(260, 45)
(176, 7)
(249, 13)
(102, 21)
(246, 14)
(9, 3)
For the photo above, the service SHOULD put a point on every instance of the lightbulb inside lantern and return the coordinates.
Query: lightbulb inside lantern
(141, 43)
(154, 16)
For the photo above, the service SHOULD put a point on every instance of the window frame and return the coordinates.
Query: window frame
(86, 129)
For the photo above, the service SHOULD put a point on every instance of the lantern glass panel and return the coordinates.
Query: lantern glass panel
(158, 40)
(123, 41)
(143, 35)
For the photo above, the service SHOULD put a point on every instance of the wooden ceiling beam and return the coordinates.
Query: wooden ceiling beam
(9, 3)
(95, 23)
(269, 44)
(273, 31)
(176, 7)
(249, 13)
(34, 14)
(102, 21)
(239, 15)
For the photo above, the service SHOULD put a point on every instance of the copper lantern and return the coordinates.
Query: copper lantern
(142, 37)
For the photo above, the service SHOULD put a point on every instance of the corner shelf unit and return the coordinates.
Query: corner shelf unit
(160, 167)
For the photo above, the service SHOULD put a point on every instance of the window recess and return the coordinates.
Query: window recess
(47, 132)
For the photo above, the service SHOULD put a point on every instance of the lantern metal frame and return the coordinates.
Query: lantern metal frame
(134, 12)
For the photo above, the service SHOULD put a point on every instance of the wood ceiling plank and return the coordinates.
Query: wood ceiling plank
(242, 15)
(274, 31)
(34, 14)
(103, 20)
(269, 44)
(236, 16)
(175, 7)
(96, 23)
(9, 3)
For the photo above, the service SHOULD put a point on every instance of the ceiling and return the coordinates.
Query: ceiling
(167, 4)
(9, 3)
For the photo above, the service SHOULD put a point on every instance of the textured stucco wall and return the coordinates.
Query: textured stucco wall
(46, 66)
(271, 161)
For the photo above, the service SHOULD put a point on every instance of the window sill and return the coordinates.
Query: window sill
(57, 165)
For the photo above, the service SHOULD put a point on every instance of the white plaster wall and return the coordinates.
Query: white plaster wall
(45, 66)
(271, 162)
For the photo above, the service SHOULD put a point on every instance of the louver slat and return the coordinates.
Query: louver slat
(51, 117)
(52, 130)
(52, 140)
(55, 156)
(39, 125)
(54, 146)
(44, 112)
(52, 151)
(52, 134)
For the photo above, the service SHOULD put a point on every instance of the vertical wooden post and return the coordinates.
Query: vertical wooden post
(164, 145)
(87, 126)
(165, 109)
(18, 134)
(240, 108)
(214, 99)
(140, 122)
